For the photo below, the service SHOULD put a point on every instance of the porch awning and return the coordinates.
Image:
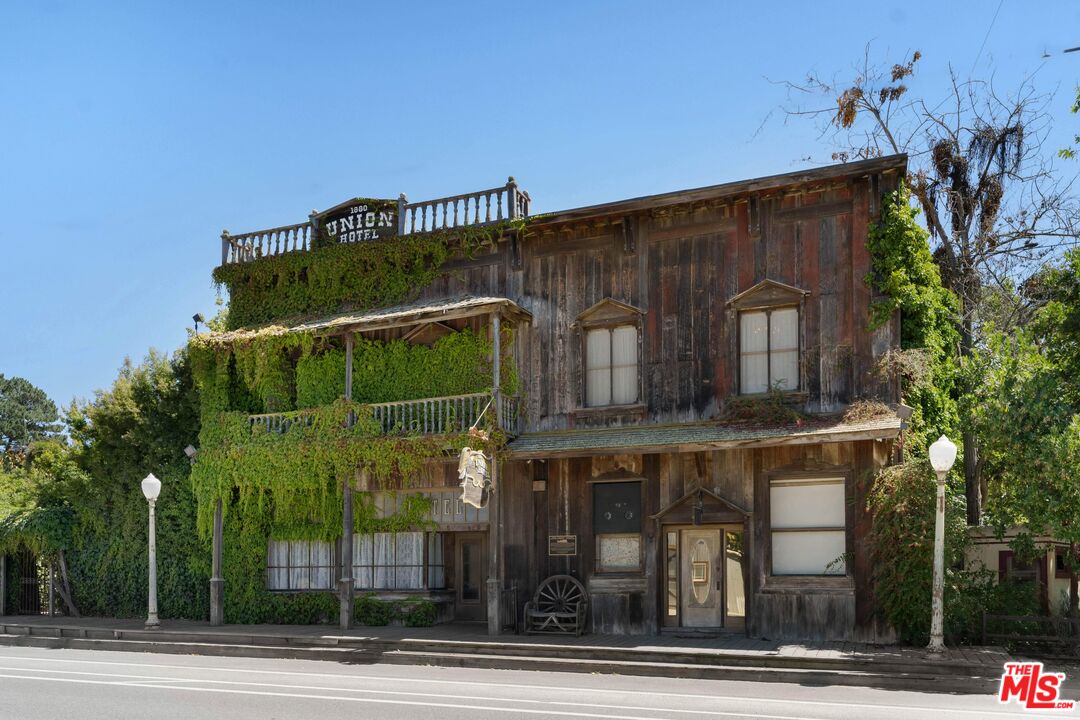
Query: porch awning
(691, 437)
(397, 316)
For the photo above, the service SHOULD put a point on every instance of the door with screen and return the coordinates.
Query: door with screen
(470, 577)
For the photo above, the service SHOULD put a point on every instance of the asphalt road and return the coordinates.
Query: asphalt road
(39, 684)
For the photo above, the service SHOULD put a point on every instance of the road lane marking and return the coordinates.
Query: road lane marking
(577, 688)
(380, 701)
(141, 679)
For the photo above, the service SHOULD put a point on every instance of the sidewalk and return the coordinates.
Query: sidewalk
(467, 644)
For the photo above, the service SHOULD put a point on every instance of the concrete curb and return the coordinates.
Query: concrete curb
(944, 677)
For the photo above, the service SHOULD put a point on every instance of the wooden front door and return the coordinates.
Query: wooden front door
(701, 577)
(470, 575)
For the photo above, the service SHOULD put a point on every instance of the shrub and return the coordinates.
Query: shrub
(370, 610)
(416, 613)
(902, 501)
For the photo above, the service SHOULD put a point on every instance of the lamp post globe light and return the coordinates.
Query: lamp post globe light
(942, 457)
(151, 488)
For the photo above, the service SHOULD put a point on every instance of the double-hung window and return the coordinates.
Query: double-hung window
(768, 350)
(808, 521)
(769, 330)
(609, 333)
(611, 366)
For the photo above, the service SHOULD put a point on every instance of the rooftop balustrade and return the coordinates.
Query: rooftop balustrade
(475, 209)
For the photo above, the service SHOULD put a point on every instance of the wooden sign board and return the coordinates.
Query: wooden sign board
(562, 544)
(359, 220)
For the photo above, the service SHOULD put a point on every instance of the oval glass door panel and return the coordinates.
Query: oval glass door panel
(700, 558)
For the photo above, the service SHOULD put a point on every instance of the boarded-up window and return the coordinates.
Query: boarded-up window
(617, 526)
(611, 366)
(398, 561)
(808, 521)
(618, 553)
(769, 350)
(300, 565)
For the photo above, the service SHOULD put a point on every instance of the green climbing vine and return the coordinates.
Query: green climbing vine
(905, 277)
(285, 481)
(335, 276)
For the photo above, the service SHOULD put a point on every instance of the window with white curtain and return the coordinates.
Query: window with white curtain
(611, 366)
(300, 565)
(768, 350)
(808, 520)
(398, 561)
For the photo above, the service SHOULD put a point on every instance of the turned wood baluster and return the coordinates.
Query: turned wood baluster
(487, 207)
(455, 212)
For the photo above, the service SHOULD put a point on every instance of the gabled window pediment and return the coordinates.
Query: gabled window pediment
(768, 293)
(609, 312)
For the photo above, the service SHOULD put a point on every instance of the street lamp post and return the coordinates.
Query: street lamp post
(151, 488)
(942, 457)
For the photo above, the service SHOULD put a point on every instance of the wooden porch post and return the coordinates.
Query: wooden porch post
(494, 586)
(217, 582)
(496, 380)
(345, 584)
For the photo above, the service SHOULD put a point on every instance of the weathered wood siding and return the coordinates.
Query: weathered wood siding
(680, 265)
(630, 603)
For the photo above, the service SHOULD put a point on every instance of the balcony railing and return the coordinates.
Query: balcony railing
(484, 207)
(427, 416)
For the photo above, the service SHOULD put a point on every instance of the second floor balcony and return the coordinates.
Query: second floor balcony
(425, 416)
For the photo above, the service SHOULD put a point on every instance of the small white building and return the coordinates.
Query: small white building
(1049, 571)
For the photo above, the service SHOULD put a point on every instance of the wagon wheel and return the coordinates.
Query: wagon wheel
(560, 594)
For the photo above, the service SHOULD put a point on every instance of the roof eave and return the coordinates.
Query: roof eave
(894, 163)
(840, 434)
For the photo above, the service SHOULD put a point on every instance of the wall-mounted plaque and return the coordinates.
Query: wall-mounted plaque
(562, 544)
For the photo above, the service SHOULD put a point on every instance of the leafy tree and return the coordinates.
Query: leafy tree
(139, 425)
(1069, 153)
(26, 414)
(1025, 408)
(992, 200)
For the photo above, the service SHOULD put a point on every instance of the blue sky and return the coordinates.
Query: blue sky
(131, 134)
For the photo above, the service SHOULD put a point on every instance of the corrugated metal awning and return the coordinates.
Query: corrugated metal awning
(383, 318)
(691, 437)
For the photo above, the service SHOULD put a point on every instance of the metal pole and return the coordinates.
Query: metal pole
(3, 584)
(217, 582)
(345, 584)
(52, 590)
(152, 622)
(937, 641)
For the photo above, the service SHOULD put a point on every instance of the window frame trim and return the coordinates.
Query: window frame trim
(334, 566)
(768, 310)
(817, 473)
(584, 327)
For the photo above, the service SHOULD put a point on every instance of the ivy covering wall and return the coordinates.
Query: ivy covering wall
(335, 276)
(289, 485)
